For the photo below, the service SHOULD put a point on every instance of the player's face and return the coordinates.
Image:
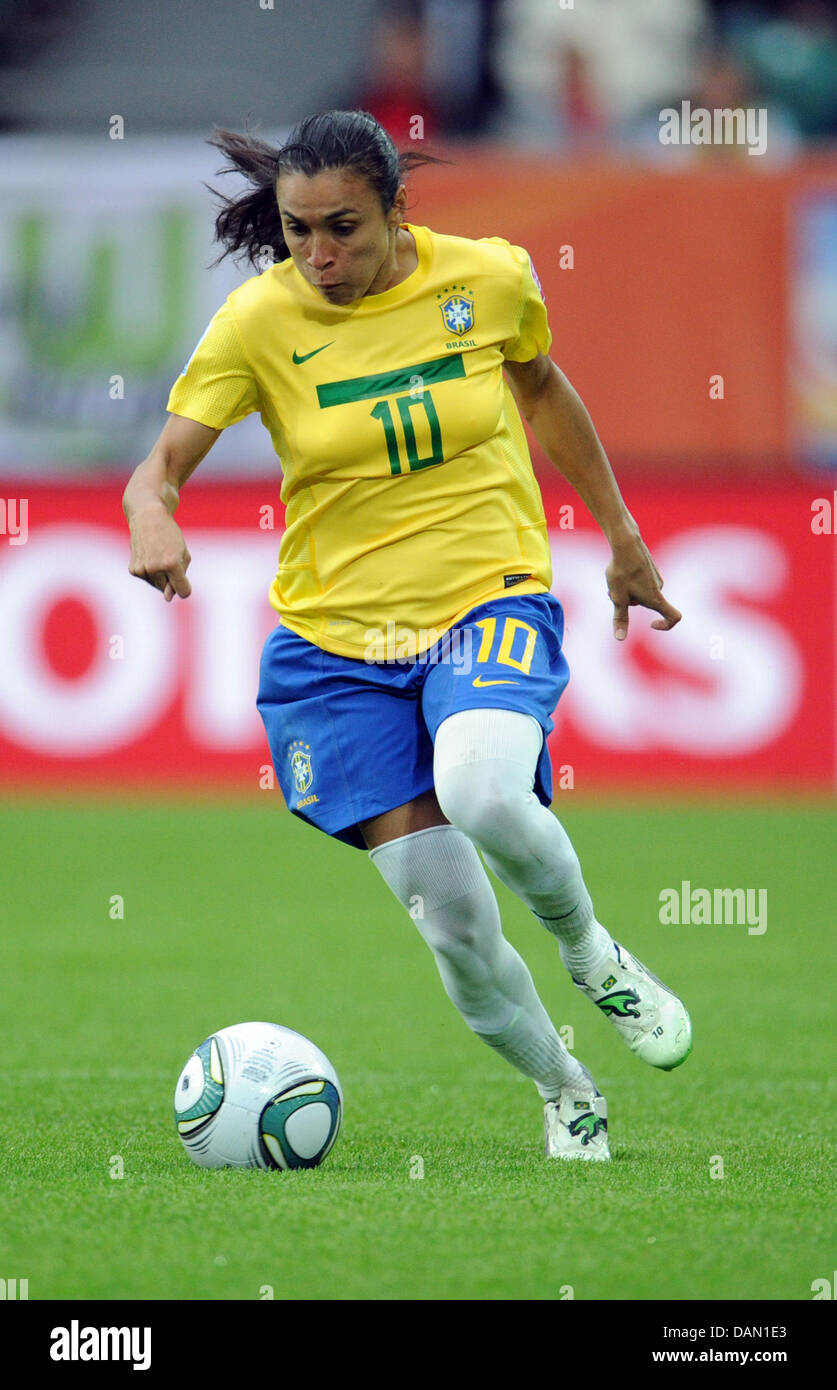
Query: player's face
(338, 234)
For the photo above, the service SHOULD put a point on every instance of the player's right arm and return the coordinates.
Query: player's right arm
(158, 549)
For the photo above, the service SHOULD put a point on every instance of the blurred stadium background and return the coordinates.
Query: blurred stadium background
(692, 292)
(693, 299)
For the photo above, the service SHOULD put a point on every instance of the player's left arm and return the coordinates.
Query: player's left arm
(565, 432)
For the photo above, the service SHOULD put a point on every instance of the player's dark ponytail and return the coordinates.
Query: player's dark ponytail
(250, 224)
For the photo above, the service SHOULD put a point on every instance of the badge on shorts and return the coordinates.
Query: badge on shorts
(301, 765)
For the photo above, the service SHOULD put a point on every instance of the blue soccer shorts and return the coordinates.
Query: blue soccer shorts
(351, 739)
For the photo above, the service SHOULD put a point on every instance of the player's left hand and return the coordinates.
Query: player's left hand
(633, 579)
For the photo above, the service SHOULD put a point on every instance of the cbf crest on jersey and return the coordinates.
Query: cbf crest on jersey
(301, 765)
(457, 306)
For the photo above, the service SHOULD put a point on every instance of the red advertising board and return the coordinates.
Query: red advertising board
(102, 682)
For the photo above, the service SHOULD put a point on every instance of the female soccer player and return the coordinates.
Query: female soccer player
(408, 689)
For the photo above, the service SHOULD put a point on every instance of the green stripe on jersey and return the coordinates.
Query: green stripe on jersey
(362, 388)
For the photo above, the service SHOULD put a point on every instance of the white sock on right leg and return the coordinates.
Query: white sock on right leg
(484, 766)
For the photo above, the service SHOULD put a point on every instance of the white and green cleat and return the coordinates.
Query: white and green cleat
(646, 1014)
(575, 1125)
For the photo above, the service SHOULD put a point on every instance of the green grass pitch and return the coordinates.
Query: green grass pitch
(235, 911)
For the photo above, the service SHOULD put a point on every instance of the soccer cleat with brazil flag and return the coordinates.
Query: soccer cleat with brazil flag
(575, 1125)
(646, 1014)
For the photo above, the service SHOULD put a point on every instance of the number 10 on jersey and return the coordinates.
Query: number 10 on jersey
(406, 404)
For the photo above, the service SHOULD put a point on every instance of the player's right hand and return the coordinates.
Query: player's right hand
(633, 579)
(159, 554)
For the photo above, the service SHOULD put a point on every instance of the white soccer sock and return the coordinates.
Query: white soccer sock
(437, 875)
(484, 771)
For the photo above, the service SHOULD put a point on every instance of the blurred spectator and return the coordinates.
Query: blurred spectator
(597, 72)
(396, 90)
(432, 58)
(460, 37)
(30, 27)
(588, 71)
(726, 85)
(790, 53)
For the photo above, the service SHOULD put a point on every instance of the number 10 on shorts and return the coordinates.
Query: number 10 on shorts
(509, 631)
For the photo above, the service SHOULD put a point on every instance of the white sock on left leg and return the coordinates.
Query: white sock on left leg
(438, 876)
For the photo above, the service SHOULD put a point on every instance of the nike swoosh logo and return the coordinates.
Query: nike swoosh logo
(297, 359)
(480, 682)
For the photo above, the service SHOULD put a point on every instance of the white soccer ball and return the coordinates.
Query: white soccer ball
(257, 1095)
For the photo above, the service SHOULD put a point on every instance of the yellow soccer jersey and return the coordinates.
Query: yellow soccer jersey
(409, 491)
